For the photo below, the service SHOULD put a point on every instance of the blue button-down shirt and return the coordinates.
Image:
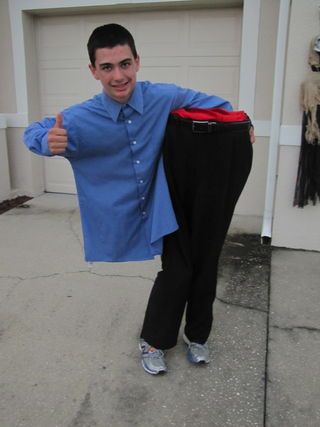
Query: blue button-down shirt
(115, 153)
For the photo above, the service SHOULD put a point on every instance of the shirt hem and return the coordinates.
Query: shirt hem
(130, 259)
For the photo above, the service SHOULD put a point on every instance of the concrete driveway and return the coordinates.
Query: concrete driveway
(69, 331)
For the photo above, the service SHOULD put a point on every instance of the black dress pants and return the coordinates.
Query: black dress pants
(206, 167)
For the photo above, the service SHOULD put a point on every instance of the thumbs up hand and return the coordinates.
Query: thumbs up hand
(57, 136)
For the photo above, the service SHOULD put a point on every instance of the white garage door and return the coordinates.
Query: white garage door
(196, 48)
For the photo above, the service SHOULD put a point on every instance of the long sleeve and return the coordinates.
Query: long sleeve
(36, 137)
(187, 98)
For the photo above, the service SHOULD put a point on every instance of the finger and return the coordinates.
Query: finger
(57, 151)
(57, 148)
(59, 120)
(58, 144)
(52, 137)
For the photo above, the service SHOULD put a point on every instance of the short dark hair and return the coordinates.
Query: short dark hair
(109, 35)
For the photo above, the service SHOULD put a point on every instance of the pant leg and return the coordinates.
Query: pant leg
(170, 291)
(223, 171)
(190, 256)
(168, 296)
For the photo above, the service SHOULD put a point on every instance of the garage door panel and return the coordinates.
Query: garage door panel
(209, 33)
(65, 81)
(54, 105)
(217, 26)
(192, 48)
(59, 175)
(58, 40)
(163, 74)
(166, 29)
(219, 76)
(222, 81)
(90, 85)
(61, 88)
(214, 61)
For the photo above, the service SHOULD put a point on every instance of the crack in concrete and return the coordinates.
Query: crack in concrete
(71, 226)
(246, 307)
(22, 279)
(122, 276)
(12, 277)
(45, 276)
(293, 328)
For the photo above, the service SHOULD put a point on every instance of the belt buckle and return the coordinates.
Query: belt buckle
(200, 126)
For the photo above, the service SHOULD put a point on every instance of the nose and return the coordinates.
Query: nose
(117, 74)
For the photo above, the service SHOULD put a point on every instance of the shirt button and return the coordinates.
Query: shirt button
(134, 142)
(137, 162)
(129, 122)
(144, 213)
(143, 198)
(140, 181)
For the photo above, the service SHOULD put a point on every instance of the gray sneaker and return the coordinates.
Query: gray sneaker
(197, 353)
(152, 359)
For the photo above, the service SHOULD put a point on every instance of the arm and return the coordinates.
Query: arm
(188, 98)
(48, 137)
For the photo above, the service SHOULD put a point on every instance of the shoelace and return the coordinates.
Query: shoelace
(197, 345)
(154, 354)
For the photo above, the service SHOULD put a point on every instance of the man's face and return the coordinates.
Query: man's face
(116, 68)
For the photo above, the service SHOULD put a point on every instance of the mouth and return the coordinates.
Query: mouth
(120, 87)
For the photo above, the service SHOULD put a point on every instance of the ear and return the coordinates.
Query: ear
(137, 62)
(93, 70)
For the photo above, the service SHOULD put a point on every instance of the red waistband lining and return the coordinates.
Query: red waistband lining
(215, 114)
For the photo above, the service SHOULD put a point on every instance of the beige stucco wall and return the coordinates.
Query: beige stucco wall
(266, 58)
(7, 97)
(5, 185)
(7, 87)
(20, 170)
(295, 227)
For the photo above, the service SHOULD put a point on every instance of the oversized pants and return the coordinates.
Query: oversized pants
(207, 166)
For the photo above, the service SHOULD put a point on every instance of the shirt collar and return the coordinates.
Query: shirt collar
(135, 102)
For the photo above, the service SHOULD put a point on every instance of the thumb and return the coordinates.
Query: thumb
(59, 120)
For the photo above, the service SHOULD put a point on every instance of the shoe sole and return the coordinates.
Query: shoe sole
(152, 372)
(201, 362)
(163, 371)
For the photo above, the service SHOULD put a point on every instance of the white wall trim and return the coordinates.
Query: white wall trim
(3, 121)
(18, 52)
(19, 120)
(13, 120)
(40, 5)
(279, 70)
(290, 135)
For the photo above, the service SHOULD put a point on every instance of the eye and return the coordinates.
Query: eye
(125, 64)
(106, 67)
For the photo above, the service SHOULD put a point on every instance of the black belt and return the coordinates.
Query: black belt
(208, 126)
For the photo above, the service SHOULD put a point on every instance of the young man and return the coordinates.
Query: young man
(113, 142)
